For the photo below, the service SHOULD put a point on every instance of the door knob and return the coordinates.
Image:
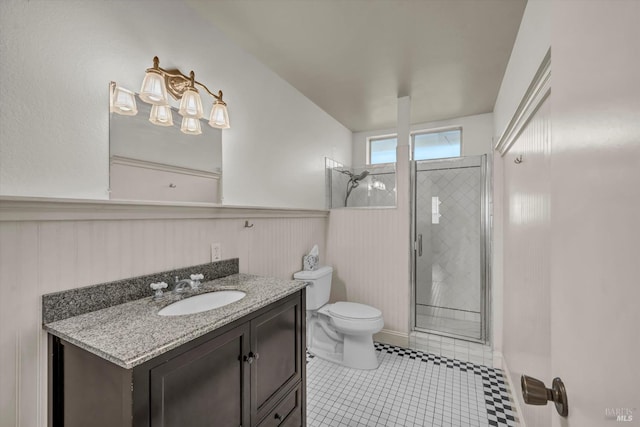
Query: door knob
(535, 392)
(251, 357)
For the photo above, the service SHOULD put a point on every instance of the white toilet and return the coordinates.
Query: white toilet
(341, 332)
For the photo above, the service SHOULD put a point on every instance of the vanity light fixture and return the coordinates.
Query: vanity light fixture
(191, 126)
(191, 105)
(219, 117)
(158, 82)
(161, 115)
(153, 90)
(122, 101)
(377, 185)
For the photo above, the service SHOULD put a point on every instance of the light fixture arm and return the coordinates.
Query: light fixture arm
(218, 97)
(177, 82)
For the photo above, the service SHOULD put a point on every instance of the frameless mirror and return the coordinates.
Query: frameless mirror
(161, 163)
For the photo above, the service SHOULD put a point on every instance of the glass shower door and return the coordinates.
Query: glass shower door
(450, 257)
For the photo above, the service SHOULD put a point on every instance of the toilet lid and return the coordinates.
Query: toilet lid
(353, 310)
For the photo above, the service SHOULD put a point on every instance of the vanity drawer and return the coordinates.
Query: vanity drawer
(288, 412)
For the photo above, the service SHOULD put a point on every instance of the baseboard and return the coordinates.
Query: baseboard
(498, 360)
(386, 336)
(516, 401)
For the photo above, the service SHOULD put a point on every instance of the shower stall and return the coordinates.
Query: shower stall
(451, 247)
(373, 186)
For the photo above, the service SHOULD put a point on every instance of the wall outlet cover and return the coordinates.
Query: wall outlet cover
(216, 252)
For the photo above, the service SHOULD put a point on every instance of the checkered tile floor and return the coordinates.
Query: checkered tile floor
(410, 388)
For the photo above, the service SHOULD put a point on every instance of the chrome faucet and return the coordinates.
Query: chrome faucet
(181, 285)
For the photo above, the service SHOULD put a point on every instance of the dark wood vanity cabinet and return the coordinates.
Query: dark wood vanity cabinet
(248, 373)
(205, 386)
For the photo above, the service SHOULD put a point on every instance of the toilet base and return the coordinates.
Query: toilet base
(352, 351)
(341, 341)
(359, 352)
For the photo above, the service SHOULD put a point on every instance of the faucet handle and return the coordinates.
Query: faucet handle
(195, 279)
(158, 287)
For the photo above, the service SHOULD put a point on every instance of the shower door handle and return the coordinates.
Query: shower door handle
(419, 244)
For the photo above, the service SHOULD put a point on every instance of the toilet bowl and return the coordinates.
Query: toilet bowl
(341, 332)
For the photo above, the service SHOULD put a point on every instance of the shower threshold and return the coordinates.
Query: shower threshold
(460, 328)
(453, 347)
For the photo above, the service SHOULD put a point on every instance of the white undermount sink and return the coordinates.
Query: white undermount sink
(202, 302)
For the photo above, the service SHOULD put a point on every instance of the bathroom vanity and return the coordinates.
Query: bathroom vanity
(240, 365)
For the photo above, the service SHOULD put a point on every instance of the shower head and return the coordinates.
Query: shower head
(360, 177)
(345, 172)
(354, 181)
(352, 176)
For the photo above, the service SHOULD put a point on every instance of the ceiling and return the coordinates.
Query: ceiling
(354, 58)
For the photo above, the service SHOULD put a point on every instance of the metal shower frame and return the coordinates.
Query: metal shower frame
(486, 208)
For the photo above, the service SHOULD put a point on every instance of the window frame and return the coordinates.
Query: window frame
(435, 130)
(412, 135)
(378, 138)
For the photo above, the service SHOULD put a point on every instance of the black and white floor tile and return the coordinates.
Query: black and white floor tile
(410, 388)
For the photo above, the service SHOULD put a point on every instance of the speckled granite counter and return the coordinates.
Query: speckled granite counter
(132, 333)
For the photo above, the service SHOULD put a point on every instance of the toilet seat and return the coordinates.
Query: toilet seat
(353, 311)
(341, 332)
(353, 318)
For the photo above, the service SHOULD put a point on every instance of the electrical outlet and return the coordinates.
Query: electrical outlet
(216, 252)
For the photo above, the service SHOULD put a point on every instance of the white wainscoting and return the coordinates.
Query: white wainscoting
(369, 251)
(527, 262)
(522, 217)
(51, 253)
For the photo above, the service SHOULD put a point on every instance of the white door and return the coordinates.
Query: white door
(572, 272)
(595, 211)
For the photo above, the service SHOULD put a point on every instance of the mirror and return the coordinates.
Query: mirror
(161, 163)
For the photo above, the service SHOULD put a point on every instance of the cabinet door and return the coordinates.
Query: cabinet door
(85, 389)
(206, 386)
(276, 339)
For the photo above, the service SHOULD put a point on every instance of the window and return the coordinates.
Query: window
(437, 145)
(426, 145)
(382, 150)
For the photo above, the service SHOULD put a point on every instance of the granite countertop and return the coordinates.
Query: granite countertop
(132, 333)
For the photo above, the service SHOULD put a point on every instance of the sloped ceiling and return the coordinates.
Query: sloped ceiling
(354, 58)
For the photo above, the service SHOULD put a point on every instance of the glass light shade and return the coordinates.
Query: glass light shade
(191, 126)
(161, 115)
(219, 117)
(153, 89)
(377, 185)
(191, 105)
(123, 102)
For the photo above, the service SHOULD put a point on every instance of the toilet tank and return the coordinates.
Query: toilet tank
(319, 289)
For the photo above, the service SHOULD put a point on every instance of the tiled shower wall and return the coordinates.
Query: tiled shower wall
(42, 256)
(448, 273)
(338, 182)
(365, 195)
